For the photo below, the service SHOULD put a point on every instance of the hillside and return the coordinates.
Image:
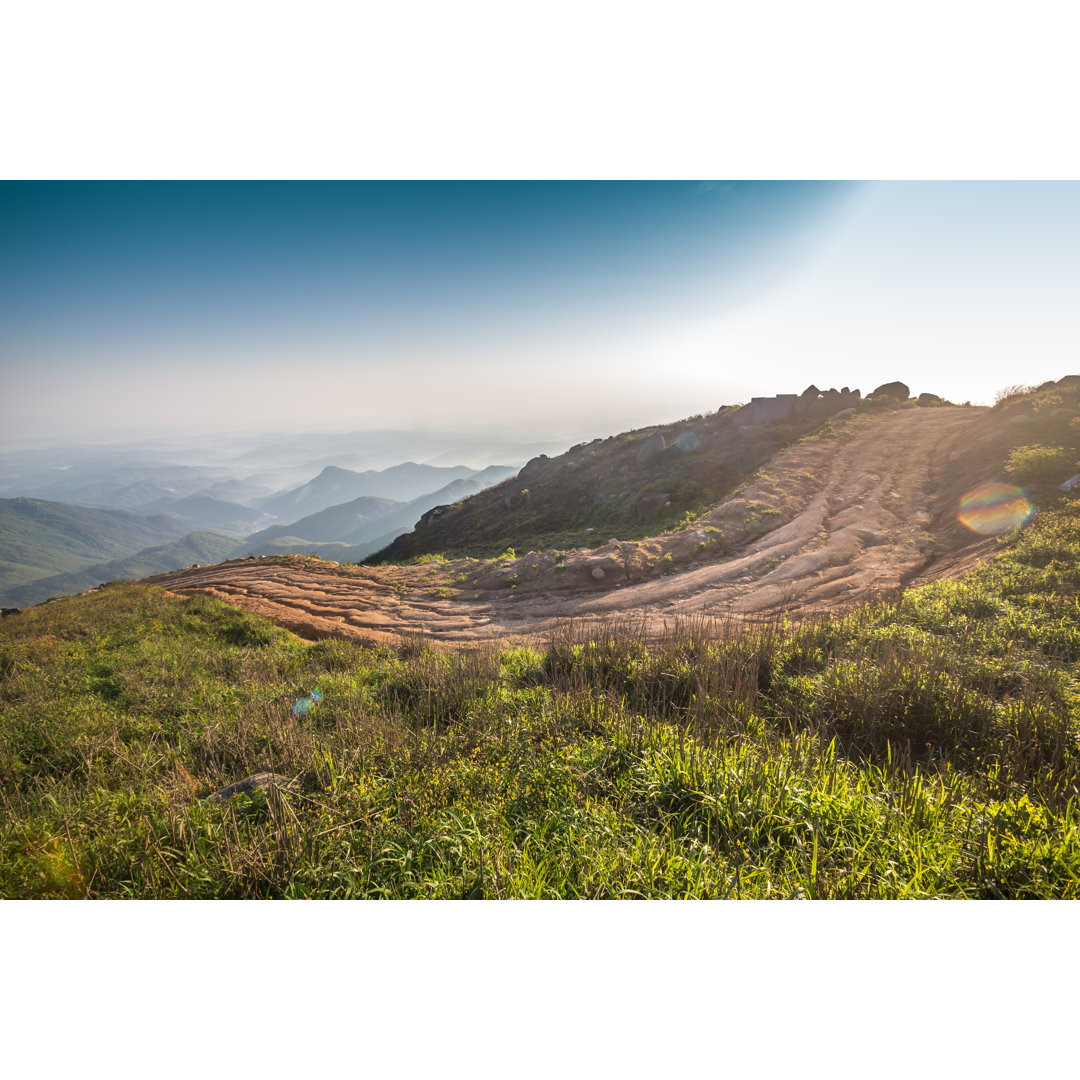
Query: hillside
(864, 507)
(208, 512)
(341, 522)
(632, 485)
(626, 720)
(195, 548)
(352, 531)
(39, 539)
(155, 746)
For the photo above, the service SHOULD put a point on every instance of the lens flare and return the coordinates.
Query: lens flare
(687, 441)
(306, 703)
(991, 509)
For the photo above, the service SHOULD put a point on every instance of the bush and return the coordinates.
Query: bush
(1039, 464)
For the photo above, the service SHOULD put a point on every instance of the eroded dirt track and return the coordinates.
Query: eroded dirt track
(825, 526)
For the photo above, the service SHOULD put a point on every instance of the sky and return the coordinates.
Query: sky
(133, 308)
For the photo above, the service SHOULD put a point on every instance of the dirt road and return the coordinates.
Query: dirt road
(824, 526)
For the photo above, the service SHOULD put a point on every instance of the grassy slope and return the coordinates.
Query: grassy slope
(926, 748)
(39, 538)
(201, 547)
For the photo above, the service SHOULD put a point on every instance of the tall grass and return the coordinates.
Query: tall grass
(923, 747)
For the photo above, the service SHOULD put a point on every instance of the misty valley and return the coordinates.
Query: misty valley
(74, 517)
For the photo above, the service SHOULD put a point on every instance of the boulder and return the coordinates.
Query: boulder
(650, 448)
(897, 391)
(871, 537)
(926, 400)
(534, 467)
(434, 513)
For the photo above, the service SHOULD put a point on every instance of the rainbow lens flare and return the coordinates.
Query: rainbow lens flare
(306, 703)
(991, 509)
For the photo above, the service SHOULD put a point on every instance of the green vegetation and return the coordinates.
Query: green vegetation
(39, 539)
(923, 747)
(196, 547)
(1039, 464)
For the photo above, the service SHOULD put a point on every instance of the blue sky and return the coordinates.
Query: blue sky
(136, 307)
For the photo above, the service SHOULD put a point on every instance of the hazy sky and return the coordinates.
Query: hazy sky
(148, 307)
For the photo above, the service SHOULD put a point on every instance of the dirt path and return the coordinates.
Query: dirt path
(825, 526)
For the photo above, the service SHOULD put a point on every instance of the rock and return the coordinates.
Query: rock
(1069, 380)
(869, 536)
(5, 612)
(897, 391)
(930, 399)
(259, 781)
(650, 448)
(1067, 486)
(534, 467)
(434, 513)
(810, 392)
(597, 573)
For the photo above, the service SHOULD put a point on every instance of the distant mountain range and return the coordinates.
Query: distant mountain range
(52, 548)
(401, 483)
(363, 525)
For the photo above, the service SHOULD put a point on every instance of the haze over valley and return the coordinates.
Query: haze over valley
(72, 517)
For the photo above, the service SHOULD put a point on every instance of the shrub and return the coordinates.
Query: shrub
(1039, 464)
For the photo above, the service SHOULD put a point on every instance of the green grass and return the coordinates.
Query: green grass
(924, 747)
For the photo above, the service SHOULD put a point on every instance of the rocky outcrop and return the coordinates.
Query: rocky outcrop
(651, 448)
(897, 391)
(534, 467)
(811, 404)
(431, 515)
